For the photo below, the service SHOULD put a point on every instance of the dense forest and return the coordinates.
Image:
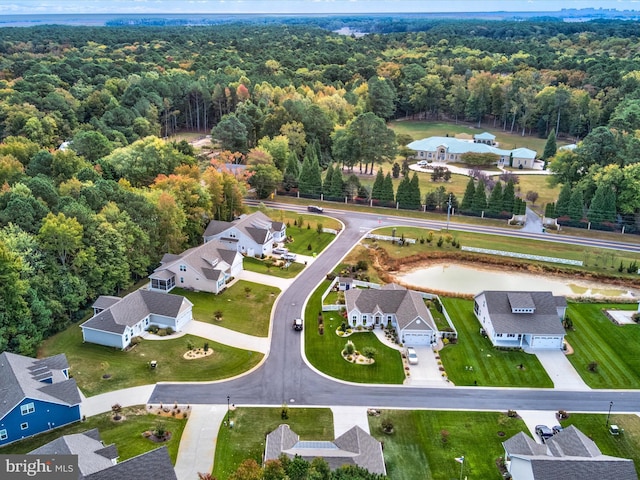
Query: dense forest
(93, 195)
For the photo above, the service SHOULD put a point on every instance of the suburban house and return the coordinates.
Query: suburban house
(568, 454)
(252, 235)
(37, 395)
(393, 305)
(206, 268)
(449, 149)
(99, 462)
(354, 447)
(521, 319)
(117, 320)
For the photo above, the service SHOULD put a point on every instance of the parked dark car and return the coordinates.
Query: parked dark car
(557, 429)
(544, 432)
(315, 209)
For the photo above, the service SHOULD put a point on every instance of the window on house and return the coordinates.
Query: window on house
(24, 426)
(388, 318)
(146, 321)
(27, 408)
(364, 318)
(181, 279)
(3, 434)
(354, 318)
(183, 268)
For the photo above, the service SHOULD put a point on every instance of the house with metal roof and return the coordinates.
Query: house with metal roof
(393, 305)
(117, 320)
(99, 462)
(36, 395)
(530, 320)
(205, 268)
(354, 447)
(569, 454)
(252, 235)
(449, 149)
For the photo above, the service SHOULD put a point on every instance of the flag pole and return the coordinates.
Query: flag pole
(461, 467)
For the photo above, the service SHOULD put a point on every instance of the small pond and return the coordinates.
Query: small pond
(466, 279)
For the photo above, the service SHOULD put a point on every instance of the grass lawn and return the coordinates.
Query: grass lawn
(290, 218)
(257, 265)
(323, 351)
(626, 445)
(241, 311)
(415, 450)
(616, 348)
(304, 237)
(251, 426)
(438, 317)
(89, 362)
(491, 367)
(126, 434)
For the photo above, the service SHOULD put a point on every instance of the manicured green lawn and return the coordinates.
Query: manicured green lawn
(438, 317)
(616, 348)
(626, 445)
(126, 434)
(289, 218)
(251, 425)
(89, 362)
(305, 237)
(491, 367)
(242, 311)
(257, 265)
(323, 351)
(415, 449)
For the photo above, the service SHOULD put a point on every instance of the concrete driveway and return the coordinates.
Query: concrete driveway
(427, 371)
(538, 417)
(562, 373)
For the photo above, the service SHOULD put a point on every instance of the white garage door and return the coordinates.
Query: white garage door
(546, 342)
(416, 338)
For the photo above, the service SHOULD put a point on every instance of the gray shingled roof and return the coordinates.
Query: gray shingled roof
(572, 442)
(105, 301)
(20, 378)
(354, 447)
(93, 456)
(544, 321)
(216, 227)
(155, 464)
(407, 305)
(523, 444)
(134, 307)
(210, 259)
(256, 225)
(583, 469)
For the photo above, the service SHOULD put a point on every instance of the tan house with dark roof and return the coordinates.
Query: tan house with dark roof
(569, 454)
(206, 268)
(354, 447)
(522, 319)
(117, 320)
(404, 309)
(252, 235)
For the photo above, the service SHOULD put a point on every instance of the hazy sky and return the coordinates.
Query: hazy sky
(8, 7)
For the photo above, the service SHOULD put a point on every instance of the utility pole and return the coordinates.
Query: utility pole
(448, 212)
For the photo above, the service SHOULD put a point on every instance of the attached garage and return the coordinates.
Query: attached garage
(542, 342)
(417, 338)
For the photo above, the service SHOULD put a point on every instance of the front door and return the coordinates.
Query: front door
(377, 319)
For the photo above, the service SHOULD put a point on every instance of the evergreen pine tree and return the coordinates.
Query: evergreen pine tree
(378, 185)
(602, 208)
(479, 202)
(550, 210)
(576, 205)
(316, 177)
(336, 189)
(550, 148)
(326, 185)
(508, 197)
(562, 205)
(431, 200)
(467, 200)
(495, 199)
(304, 179)
(610, 205)
(387, 189)
(414, 193)
(291, 172)
(395, 170)
(403, 196)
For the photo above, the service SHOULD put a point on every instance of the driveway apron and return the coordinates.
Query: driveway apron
(562, 373)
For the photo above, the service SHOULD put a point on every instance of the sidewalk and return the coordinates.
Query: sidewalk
(227, 337)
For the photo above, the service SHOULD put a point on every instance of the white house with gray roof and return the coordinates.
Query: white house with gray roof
(206, 268)
(530, 320)
(36, 395)
(252, 235)
(354, 447)
(99, 462)
(393, 305)
(569, 454)
(449, 149)
(117, 320)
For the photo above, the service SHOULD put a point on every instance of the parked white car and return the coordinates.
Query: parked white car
(412, 356)
(423, 163)
(290, 257)
(280, 251)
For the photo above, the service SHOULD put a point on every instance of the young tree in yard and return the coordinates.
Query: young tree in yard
(532, 196)
(576, 205)
(550, 148)
(264, 178)
(469, 193)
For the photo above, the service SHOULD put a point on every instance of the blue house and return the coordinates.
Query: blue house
(36, 395)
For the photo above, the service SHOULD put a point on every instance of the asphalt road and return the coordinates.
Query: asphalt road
(284, 377)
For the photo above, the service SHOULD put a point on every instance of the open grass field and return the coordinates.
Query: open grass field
(490, 367)
(290, 218)
(626, 445)
(257, 265)
(243, 311)
(89, 362)
(616, 348)
(415, 450)
(126, 434)
(323, 351)
(251, 425)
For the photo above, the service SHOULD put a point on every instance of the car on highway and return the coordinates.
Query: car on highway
(289, 257)
(280, 251)
(315, 209)
(297, 324)
(412, 356)
(543, 432)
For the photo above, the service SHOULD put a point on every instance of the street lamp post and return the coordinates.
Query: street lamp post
(609, 414)
(448, 211)
(228, 412)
